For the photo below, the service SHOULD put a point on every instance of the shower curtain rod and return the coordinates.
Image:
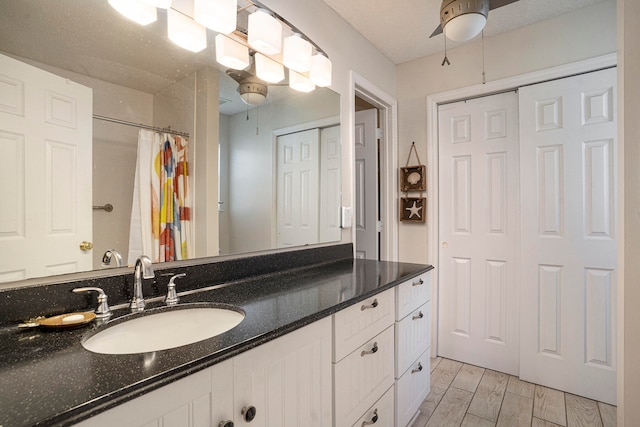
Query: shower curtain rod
(140, 125)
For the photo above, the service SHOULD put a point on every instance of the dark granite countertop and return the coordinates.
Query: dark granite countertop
(48, 378)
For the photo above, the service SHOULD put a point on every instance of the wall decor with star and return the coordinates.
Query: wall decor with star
(413, 178)
(412, 209)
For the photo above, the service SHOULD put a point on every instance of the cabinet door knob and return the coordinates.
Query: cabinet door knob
(418, 283)
(373, 350)
(227, 423)
(419, 316)
(418, 369)
(249, 413)
(374, 304)
(374, 419)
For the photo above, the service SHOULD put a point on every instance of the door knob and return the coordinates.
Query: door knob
(445, 245)
(86, 246)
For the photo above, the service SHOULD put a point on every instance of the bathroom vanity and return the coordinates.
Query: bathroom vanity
(326, 340)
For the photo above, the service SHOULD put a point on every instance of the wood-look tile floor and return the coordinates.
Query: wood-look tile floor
(468, 396)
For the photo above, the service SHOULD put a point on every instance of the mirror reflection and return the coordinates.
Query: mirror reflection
(259, 176)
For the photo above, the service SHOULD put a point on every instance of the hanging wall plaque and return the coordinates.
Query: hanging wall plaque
(412, 209)
(413, 178)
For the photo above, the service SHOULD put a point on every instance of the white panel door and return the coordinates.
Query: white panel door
(330, 184)
(45, 180)
(568, 162)
(479, 231)
(298, 188)
(287, 381)
(366, 171)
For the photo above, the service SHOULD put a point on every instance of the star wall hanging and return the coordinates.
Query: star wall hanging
(412, 209)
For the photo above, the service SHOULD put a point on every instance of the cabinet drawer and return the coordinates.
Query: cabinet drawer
(412, 337)
(362, 377)
(412, 294)
(355, 325)
(411, 390)
(383, 409)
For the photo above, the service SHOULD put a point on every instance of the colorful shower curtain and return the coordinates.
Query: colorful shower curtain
(161, 210)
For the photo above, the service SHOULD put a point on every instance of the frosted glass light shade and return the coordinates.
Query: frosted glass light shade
(136, 10)
(230, 53)
(218, 15)
(465, 27)
(265, 33)
(268, 70)
(162, 4)
(300, 83)
(297, 53)
(320, 73)
(185, 32)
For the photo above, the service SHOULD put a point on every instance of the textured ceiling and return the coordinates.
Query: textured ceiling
(401, 29)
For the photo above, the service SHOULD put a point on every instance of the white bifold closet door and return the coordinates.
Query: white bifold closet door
(479, 234)
(568, 279)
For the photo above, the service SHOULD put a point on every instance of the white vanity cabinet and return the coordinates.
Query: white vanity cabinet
(412, 333)
(363, 363)
(286, 381)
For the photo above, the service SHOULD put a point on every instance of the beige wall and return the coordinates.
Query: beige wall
(629, 243)
(585, 33)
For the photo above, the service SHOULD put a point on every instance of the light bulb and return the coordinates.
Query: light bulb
(297, 53)
(265, 33)
(230, 53)
(300, 83)
(218, 15)
(268, 70)
(185, 32)
(465, 27)
(320, 73)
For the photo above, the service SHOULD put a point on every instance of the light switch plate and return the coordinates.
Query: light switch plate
(346, 216)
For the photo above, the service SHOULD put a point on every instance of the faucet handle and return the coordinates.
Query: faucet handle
(103, 311)
(172, 296)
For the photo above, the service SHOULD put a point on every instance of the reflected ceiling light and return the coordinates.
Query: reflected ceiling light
(185, 32)
(265, 33)
(231, 54)
(268, 70)
(297, 53)
(320, 73)
(300, 83)
(136, 10)
(218, 15)
(252, 92)
(462, 20)
(162, 4)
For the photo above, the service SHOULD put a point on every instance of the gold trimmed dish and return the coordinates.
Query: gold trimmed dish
(68, 320)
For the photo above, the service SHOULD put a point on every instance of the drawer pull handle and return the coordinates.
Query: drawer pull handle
(374, 304)
(418, 369)
(227, 423)
(419, 316)
(418, 283)
(374, 349)
(374, 419)
(248, 413)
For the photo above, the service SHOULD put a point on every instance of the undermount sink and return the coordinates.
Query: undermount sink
(164, 330)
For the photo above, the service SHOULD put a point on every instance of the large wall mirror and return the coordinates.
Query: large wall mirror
(243, 196)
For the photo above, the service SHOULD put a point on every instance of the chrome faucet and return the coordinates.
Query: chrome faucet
(109, 255)
(142, 270)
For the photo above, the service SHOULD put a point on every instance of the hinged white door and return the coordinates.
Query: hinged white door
(568, 298)
(366, 176)
(45, 178)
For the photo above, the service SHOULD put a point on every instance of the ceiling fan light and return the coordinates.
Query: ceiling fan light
(297, 53)
(268, 70)
(465, 27)
(162, 4)
(231, 54)
(320, 73)
(265, 33)
(300, 83)
(185, 32)
(218, 15)
(253, 93)
(135, 10)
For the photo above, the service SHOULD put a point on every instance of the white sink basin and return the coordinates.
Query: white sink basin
(163, 330)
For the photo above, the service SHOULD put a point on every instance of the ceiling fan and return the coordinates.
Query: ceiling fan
(464, 19)
(253, 90)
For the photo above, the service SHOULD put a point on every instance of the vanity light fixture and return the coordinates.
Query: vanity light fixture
(297, 53)
(300, 82)
(462, 20)
(268, 69)
(185, 32)
(161, 4)
(220, 16)
(320, 73)
(136, 10)
(265, 32)
(231, 54)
